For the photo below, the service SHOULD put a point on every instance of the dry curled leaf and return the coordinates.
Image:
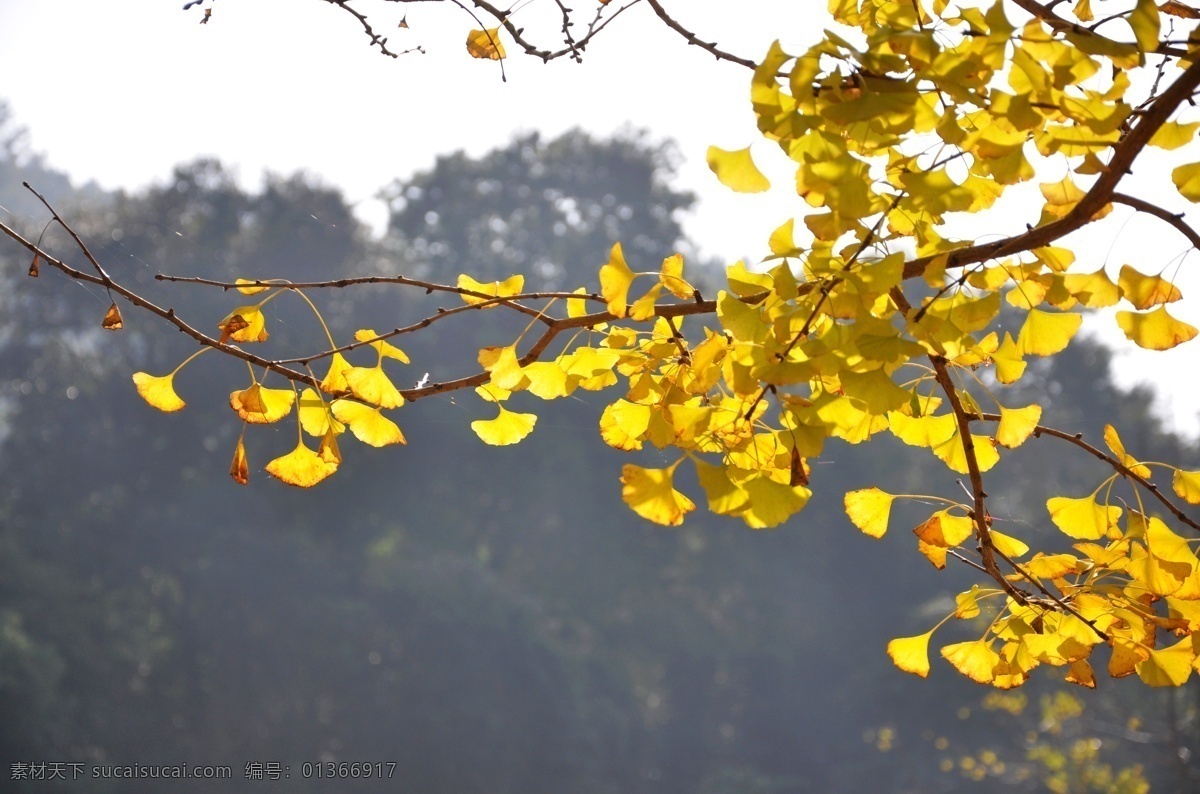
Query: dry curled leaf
(35, 265)
(112, 319)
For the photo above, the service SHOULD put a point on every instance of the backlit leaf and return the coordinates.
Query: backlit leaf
(335, 379)
(159, 391)
(496, 289)
(368, 424)
(372, 385)
(976, 660)
(259, 405)
(1145, 291)
(315, 416)
(1187, 181)
(1187, 485)
(911, 654)
(1168, 667)
(652, 495)
(384, 348)
(1046, 333)
(1007, 545)
(737, 170)
(239, 469)
(671, 277)
(485, 44)
(1083, 518)
(945, 529)
(301, 467)
(507, 428)
(615, 278)
(244, 324)
(869, 510)
(1113, 442)
(1017, 424)
(249, 287)
(1155, 330)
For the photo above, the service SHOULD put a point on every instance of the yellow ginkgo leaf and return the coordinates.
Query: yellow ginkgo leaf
(1047, 333)
(1009, 361)
(1126, 656)
(249, 287)
(770, 503)
(1017, 424)
(384, 348)
(976, 660)
(615, 278)
(239, 469)
(548, 380)
(244, 324)
(372, 385)
(1083, 518)
(911, 654)
(485, 44)
(496, 289)
(335, 379)
(301, 467)
(652, 495)
(1156, 330)
(1008, 545)
(643, 307)
(259, 405)
(952, 454)
(935, 554)
(945, 529)
(1187, 485)
(966, 604)
(367, 424)
(1187, 181)
(725, 497)
(869, 510)
(159, 391)
(1168, 667)
(1145, 291)
(737, 170)
(1051, 566)
(623, 424)
(1113, 441)
(507, 428)
(315, 416)
(505, 369)
(328, 450)
(1081, 673)
(671, 277)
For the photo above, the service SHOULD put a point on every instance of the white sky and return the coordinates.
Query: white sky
(121, 92)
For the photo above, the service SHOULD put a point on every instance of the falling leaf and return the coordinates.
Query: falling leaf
(301, 467)
(911, 654)
(249, 287)
(159, 391)
(507, 428)
(1156, 330)
(652, 495)
(368, 424)
(112, 319)
(869, 510)
(737, 170)
(485, 44)
(615, 278)
(239, 470)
